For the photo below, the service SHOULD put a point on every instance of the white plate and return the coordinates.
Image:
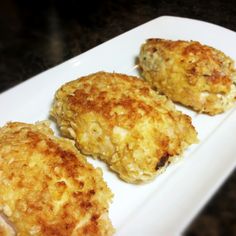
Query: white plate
(166, 205)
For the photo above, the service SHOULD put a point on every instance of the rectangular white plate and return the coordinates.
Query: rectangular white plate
(166, 205)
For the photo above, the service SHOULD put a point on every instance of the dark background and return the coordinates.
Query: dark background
(37, 35)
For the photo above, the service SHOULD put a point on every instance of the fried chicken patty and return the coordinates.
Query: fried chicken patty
(121, 120)
(195, 75)
(47, 187)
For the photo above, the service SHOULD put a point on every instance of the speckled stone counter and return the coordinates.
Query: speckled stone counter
(37, 35)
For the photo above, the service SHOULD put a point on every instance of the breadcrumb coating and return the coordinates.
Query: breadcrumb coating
(121, 120)
(195, 75)
(47, 187)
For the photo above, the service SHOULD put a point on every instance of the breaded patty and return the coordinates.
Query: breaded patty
(121, 120)
(47, 187)
(190, 73)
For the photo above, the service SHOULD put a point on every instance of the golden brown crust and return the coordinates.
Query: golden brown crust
(120, 119)
(193, 74)
(47, 187)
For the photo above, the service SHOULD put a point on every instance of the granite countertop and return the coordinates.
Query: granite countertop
(37, 35)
